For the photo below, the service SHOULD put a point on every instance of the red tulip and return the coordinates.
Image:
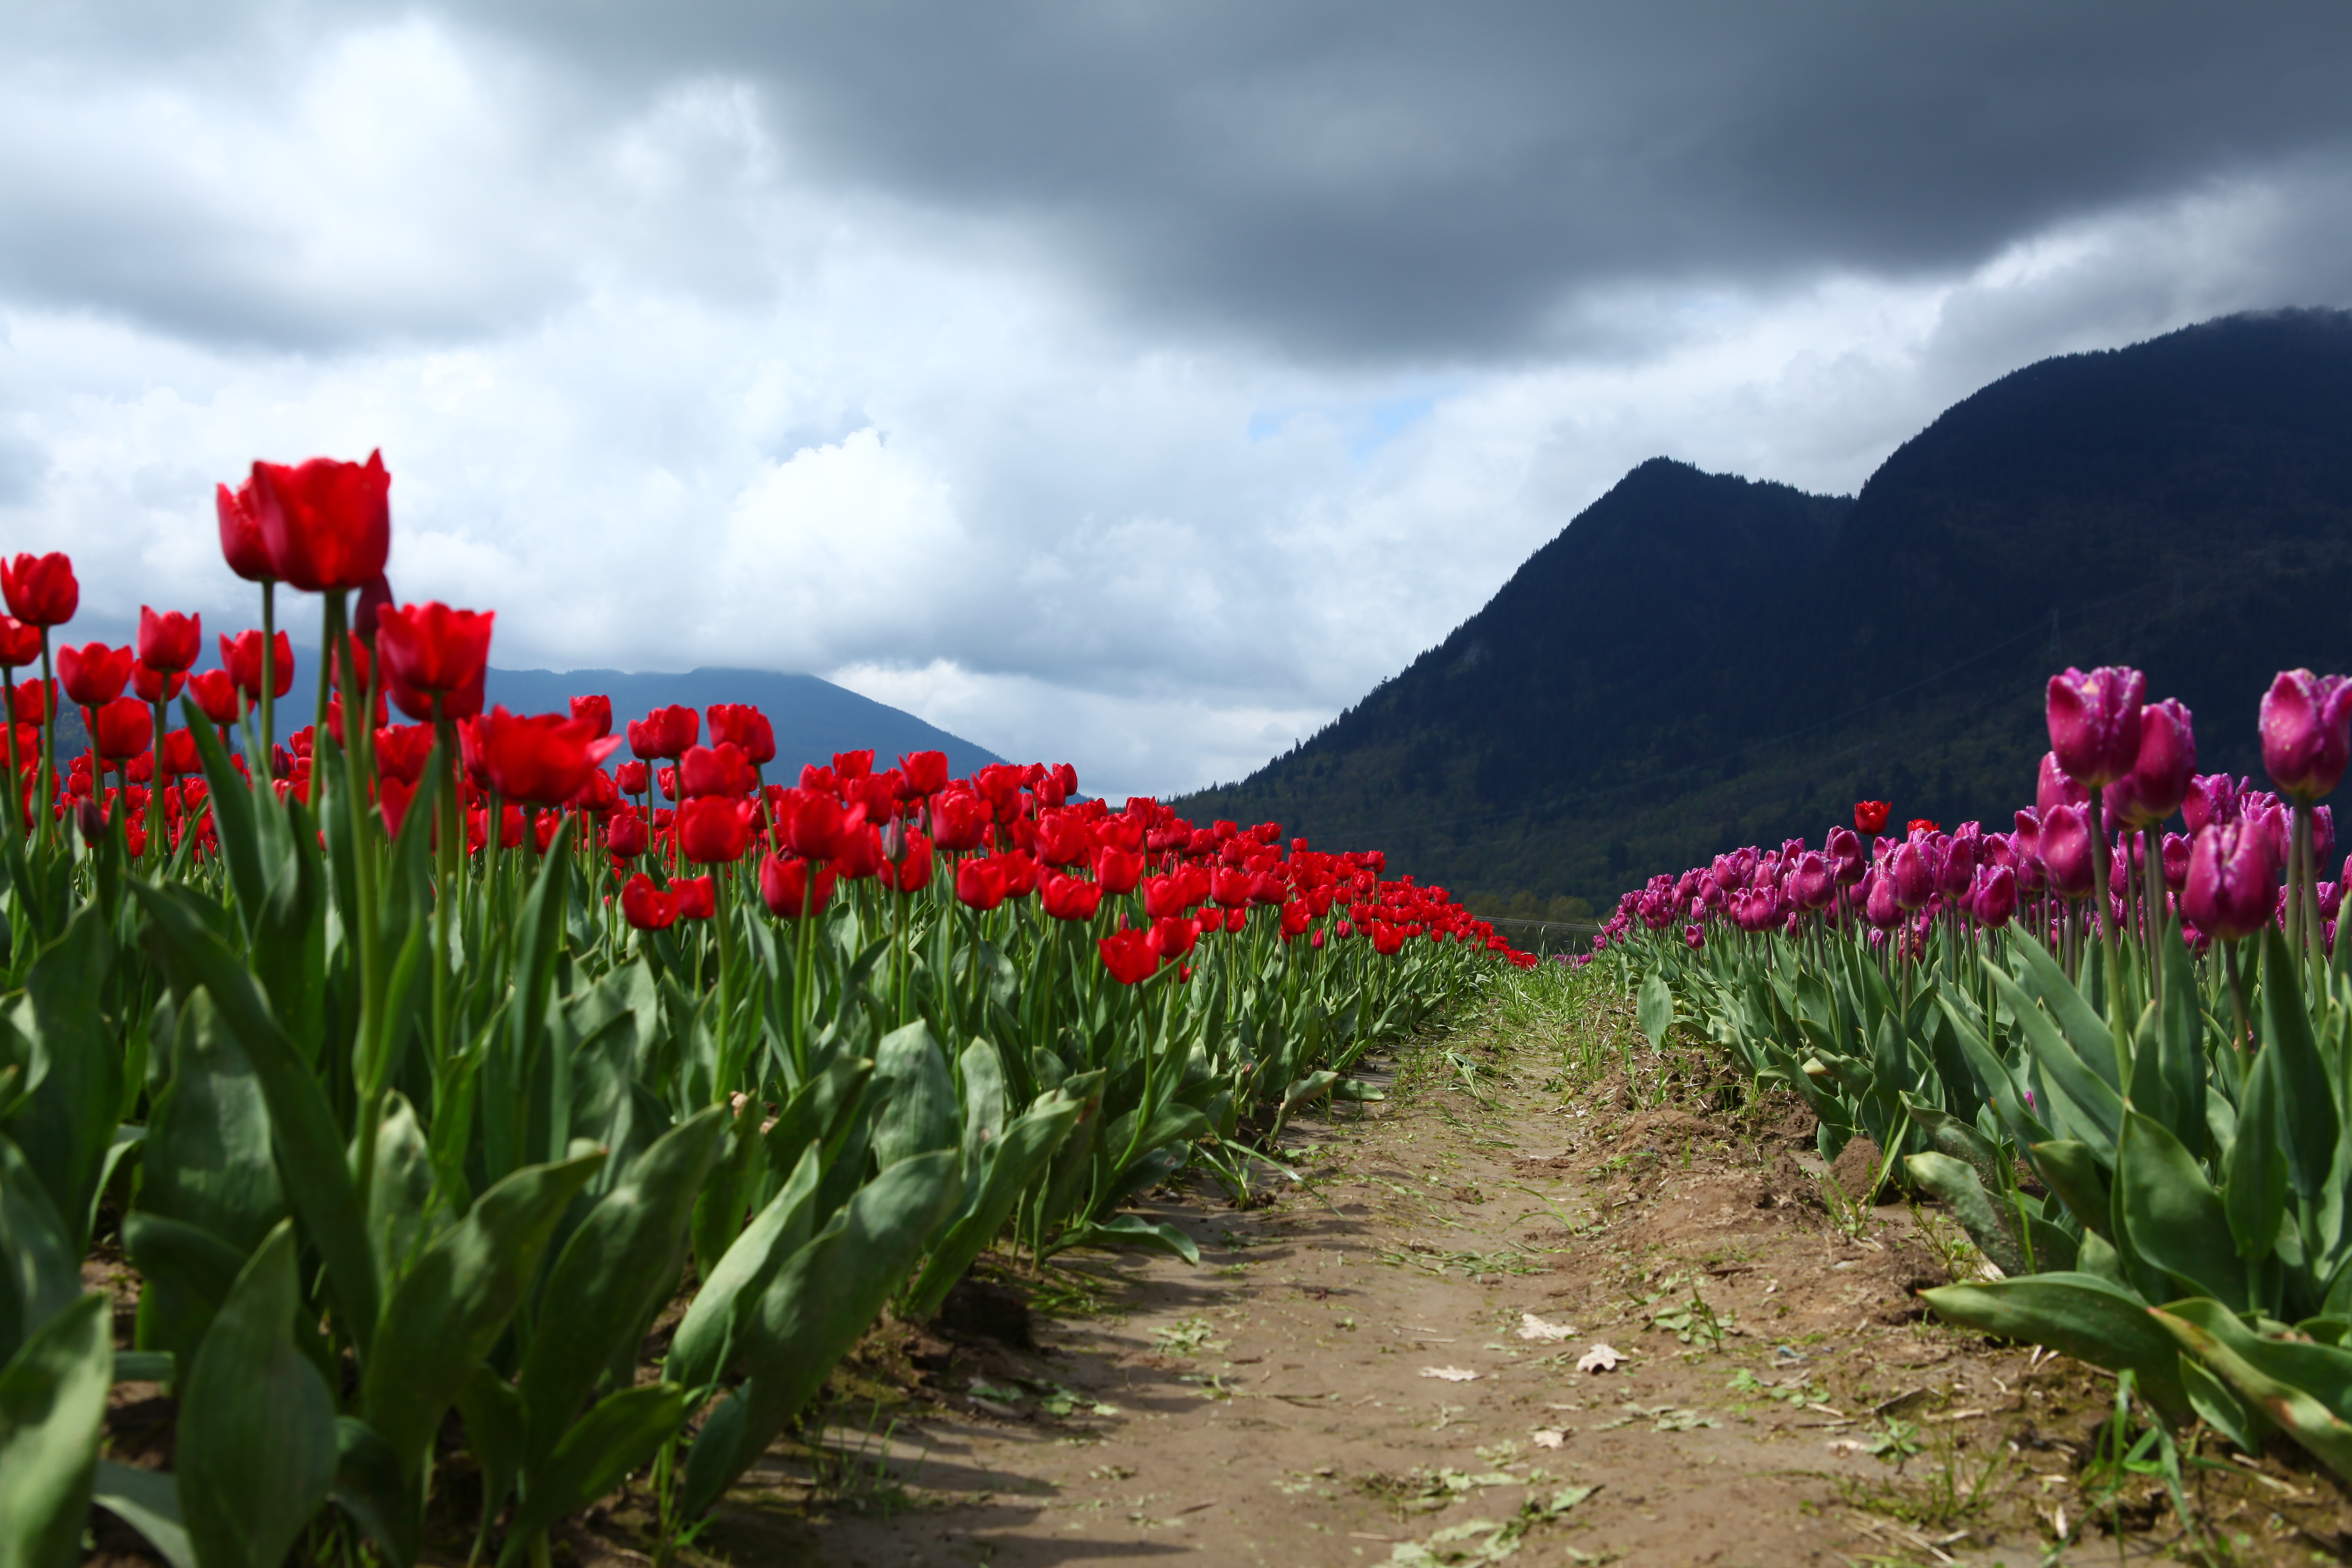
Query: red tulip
(979, 883)
(810, 824)
(747, 728)
(795, 888)
(625, 835)
(2094, 722)
(1870, 816)
(431, 650)
(927, 771)
(848, 765)
(664, 734)
(401, 751)
(1020, 873)
(714, 830)
(1063, 838)
(155, 685)
(40, 589)
(1072, 898)
(325, 525)
(632, 778)
(646, 906)
(2306, 729)
(241, 657)
(859, 855)
(910, 872)
(960, 820)
(1171, 937)
(171, 641)
(1128, 955)
(597, 710)
(215, 692)
(392, 798)
(93, 673)
(20, 644)
(697, 896)
(180, 755)
(1117, 870)
(722, 770)
(1230, 888)
(240, 534)
(818, 779)
(125, 728)
(542, 760)
(1061, 781)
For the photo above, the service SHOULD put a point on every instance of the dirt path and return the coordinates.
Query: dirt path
(1348, 1377)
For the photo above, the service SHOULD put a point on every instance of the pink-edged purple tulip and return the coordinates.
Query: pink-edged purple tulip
(1693, 937)
(2065, 851)
(1910, 877)
(1994, 896)
(2025, 841)
(2094, 722)
(2234, 872)
(2159, 780)
(1844, 848)
(2211, 798)
(1878, 905)
(1961, 856)
(2306, 726)
(1811, 880)
(2053, 788)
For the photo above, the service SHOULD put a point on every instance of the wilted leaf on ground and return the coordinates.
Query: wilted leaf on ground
(1450, 1373)
(1600, 1358)
(1547, 1437)
(1534, 1328)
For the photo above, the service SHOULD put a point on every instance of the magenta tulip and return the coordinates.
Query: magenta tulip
(2065, 851)
(2233, 874)
(1995, 895)
(1912, 878)
(2176, 861)
(2094, 722)
(1844, 848)
(2306, 726)
(2053, 788)
(2160, 779)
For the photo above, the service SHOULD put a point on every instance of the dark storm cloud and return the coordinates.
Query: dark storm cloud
(1337, 180)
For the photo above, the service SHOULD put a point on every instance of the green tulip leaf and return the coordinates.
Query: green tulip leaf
(52, 1406)
(2306, 1389)
(2082, 1315)
(2171, 1215)
(149, 1502)
(1021, 1155)
(596, 1452)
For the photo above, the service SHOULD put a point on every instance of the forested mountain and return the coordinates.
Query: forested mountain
(1699, 660)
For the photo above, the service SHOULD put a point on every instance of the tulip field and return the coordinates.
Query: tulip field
(2121, 1056)
(410, 1070)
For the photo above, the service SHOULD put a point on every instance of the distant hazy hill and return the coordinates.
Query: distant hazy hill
(1698, 661)
(813, 718)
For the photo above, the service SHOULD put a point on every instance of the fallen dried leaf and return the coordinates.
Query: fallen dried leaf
(1534, 1328)
(1602, 1357)
(1547, 1437)
(1450, 1373)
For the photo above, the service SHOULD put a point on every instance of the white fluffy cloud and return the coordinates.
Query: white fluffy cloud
(668, 383)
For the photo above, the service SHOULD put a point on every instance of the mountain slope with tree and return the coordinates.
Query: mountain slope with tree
(1699, 660)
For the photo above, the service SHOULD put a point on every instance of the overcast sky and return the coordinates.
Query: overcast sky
(1131, 384)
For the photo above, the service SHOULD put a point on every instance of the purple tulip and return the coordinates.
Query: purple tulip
(1878, 903)
(2176, 861)
(1811, 881)
(1960, 860)
(2233, 874)
(2323, 833)
(1911, 877)
(2331, 898)
(2065, 849)
(1996, 895)
(2026, 840)
(2053, 788)
(1693, 937)
(2306, 724)
(2094, 722)
(2211, 798)
(2159, 780)
(1845, 852)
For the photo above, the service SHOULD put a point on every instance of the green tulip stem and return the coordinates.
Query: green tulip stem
(2304, 888)
(16, 769)
(2152, 836)
(49, 824)
(2237, 1004)
(268, 672)
(722, 916)
(2111, 940)
(369, 1048)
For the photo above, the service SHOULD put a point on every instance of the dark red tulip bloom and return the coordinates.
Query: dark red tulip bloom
(542, 760)
(1071, 897)
(2066, 850)
(1229, 888)
(327, 525)
(215, 692)
(40, 589)
(626, 837)
(598, 795)
(170, 641)
(1173, 937)
(1128, 955)
(646, 907)
(715, 830)
(1060, 783)
(597, 710)
(848, 765)
(401, 751)
(979, 883)
(910, 870)
(926, 772)
(1165, 895)
(1117, 870)
(810, 822)
(1870, 816)
(241, 657)
(240, 534)
(125, 728)
(1020, 873)
(746, 728)
(697, 896)
(960, 820)
(795, 888)
(2234, 872)
(2307, 728)
(392, 798)
(431, 650)
(1918, 825)
(859, 855)
(2094, 722)
(633, 778)
(1063, 838)
(818, 778)
(155, 685)
(94, 673)
(20, 644)
(720, 770)
(180, 755)
(664, 734)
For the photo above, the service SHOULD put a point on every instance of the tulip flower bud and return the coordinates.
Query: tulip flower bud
(2065, 851)
(2234, 872)
(1995, 895)
(1911, 877)
(2095, 721)
(2306, 729)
